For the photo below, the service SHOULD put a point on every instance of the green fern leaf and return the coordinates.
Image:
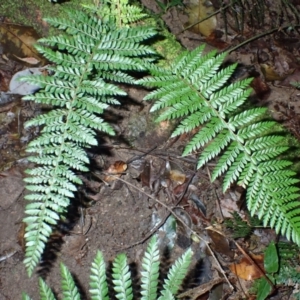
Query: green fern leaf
(177, 273)
(197, 93)
(166, 295)
(98, 283)
(121, 278)
(150, 271)
(88, 59)
(45, 291)
(25, 297)
(204, 136)
(69, 288)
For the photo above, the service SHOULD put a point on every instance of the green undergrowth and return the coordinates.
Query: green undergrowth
(94, 56)
(122, 287)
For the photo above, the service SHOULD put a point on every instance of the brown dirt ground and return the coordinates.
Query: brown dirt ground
(119, 215)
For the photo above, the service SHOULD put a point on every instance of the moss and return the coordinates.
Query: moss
(165, 44)
(32, 12)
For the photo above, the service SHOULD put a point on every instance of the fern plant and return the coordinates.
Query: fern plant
(120, 11)
(196, 91)
(90, 58)
(122, 283)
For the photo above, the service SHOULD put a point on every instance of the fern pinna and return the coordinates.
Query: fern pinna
(121, 278)
(90, 57)
(194, 90)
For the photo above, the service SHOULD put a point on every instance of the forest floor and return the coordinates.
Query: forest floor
(121, 216)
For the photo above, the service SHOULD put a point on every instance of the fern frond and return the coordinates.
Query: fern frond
(98, 283)
(120, 11)
(177, 273)
(45, 291)
(150, 271)
(91, 56)
(166, 295)
(25, 297)
(122, 283)
(69, 288)
(121, 278)
(196, 92)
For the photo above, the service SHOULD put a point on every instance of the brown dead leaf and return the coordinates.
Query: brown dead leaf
(215, 39)
(116, 170)
(248, 270)
(229, 206)
(261, 88)
(201, 289)
(4, 80)
(220, 243)
(198, 10)
(20, 236)
(145, 174)
(18, 40)
(28, 60)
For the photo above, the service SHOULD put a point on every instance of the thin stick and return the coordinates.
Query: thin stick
(184, 224)
(246, 255)
(207, 17)
(162, 222)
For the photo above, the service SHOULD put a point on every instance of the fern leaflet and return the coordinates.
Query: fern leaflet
(45, 291)
(177, 273)
(121, 278)
(98, 283)
(69, 288)
(150, 271)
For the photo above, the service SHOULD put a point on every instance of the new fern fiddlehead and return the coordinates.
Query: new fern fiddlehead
(194, 89)
(90, 58)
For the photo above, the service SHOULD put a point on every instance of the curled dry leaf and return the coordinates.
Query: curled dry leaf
(116, 170)
(249, 270)
(28, 60)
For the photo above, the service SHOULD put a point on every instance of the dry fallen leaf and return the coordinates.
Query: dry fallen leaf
(198, 10)
(248, 270)
(18, 40)
(229, 206)
(116, 170)
(220, 243)
(28, 60)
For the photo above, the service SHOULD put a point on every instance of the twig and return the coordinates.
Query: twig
(249, 258)
(7, 255)
(201, 289)
(140, 156)
(180, 220)
(207, 17)
(164, 219)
